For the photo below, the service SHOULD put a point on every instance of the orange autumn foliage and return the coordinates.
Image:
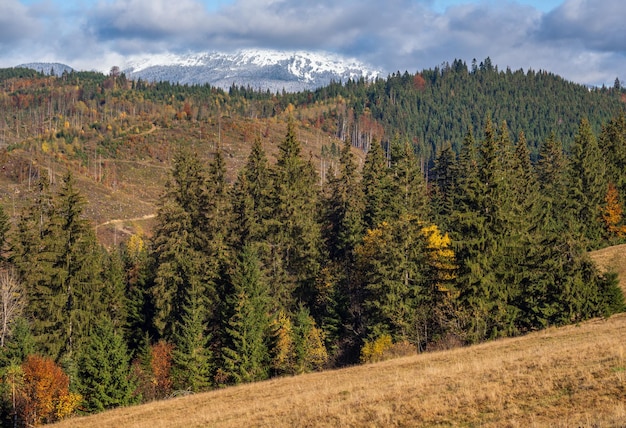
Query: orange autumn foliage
(44, 396)
(612, 213)
(161, 365)
(154, 372)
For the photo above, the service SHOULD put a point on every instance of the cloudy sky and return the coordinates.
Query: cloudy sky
(581, 40)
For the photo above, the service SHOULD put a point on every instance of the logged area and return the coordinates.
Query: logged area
(570, 376)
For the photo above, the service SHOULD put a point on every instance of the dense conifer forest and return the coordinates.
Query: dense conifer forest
(433, 210)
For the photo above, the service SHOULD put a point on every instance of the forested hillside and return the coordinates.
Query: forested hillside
(437, 106)
(291, 232)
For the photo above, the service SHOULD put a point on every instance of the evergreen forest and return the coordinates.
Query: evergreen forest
(291, 232)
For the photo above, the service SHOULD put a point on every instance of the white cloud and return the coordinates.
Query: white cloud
(580, 39)
(16, 24)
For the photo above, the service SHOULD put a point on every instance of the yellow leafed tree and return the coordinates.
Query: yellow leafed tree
(440, 258)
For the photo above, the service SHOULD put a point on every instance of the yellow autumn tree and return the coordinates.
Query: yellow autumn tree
(283, 355)
(374, 350)
(440, 258)
(441, 271)
(298, 344)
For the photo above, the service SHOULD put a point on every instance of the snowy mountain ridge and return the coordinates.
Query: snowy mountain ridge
(259, 69)
(55, 68)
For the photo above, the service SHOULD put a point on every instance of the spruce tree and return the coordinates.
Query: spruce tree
(392, 255)
(543, 266)
(246, 355)
(480, 224)
(443, 177)
(377, 186)
(80, 264)
(340, 293)
(344, 212)
(294, 229)
(191, 250)
(468, 224)
(588, 184)
(612, 142)
(114, 288)
(216, 218)
(35, 265)
(57, 255)
(180, 242)
(250, 196)
(389, 262)
(103, 369)
(192, 359)
(408, 192)
(138, 273)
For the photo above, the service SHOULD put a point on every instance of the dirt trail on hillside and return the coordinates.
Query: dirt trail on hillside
(126, 220)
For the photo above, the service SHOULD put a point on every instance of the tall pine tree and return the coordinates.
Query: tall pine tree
(246, 352)
(294, 229)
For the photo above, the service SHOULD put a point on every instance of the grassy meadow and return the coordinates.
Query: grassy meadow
(572, 376)
(566, 377)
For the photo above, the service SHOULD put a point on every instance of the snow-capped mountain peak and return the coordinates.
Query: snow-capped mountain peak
(55, 68)
(260, 69)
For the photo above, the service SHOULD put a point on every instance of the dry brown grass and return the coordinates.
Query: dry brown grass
(567, 377)
(613, 259)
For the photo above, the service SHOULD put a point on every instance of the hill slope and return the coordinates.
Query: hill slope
(612, 259)
(571, 376)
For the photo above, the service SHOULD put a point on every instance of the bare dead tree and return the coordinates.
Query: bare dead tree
(12, 301)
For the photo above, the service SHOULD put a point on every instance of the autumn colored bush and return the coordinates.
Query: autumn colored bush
(374, 350)
(161, 364)
(44, 395)
(383, 348)
(153, 372)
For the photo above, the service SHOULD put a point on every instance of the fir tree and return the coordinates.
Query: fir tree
(192, 358)
(246, 356)
(103, 369)
(339, 291)
(114, 289)
(294, 229)
(588, 183)
(180, 242)
(377, 186)
(250, 196)
(57, 256)
(612, 143)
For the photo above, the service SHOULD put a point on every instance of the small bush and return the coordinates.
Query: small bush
(375, 350)
(383, 348)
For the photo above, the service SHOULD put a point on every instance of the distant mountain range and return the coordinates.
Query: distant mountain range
(55, 68)
(259, 69)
